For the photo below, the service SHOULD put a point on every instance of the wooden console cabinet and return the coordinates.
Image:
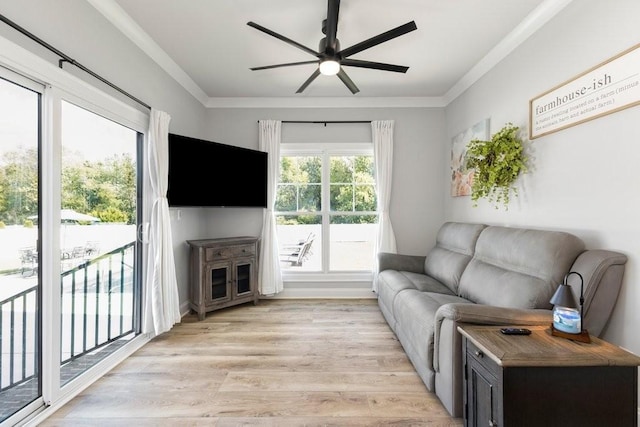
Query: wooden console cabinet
(542, 380)
(223, 272)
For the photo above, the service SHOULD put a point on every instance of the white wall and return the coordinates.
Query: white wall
(584, 179)
(416, 211)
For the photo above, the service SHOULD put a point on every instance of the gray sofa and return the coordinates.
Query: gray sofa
(487, 275)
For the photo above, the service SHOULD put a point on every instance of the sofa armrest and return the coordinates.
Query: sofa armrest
(400, 262)
(447, 352)
(602, 272)
(485, 315)
(491, 315)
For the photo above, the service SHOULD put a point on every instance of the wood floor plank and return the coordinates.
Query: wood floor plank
(322, 381)
(278, 363)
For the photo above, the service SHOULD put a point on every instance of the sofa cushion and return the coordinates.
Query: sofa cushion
(518, 268)
(454, 248)
(415, 313)
(392, 282)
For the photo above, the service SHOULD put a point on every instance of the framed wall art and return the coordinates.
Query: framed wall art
(461, 176)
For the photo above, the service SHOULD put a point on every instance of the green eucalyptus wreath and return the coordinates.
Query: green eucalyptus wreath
(497, 164)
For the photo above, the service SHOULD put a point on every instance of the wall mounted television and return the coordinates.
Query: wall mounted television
(211, 174)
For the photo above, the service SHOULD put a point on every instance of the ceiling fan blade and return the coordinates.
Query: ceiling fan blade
(311, 78)
(289, 64)
(374, 65)
(333, 9)
(348, 82)
(380, 38)
(283, 38)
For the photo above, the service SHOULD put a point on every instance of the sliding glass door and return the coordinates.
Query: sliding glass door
(20, 285)
(98, 216)
(70, 259)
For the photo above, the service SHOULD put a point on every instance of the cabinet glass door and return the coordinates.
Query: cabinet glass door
(218, 286)
(243, 278)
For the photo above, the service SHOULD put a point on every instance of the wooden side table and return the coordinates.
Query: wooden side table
(542, 380)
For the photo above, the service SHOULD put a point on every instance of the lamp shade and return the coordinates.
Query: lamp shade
(567, 319)
(564, 297)
(329, 67)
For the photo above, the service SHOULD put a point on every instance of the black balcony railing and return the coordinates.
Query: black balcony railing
(18, 332)
(97, 303)
(97, 308)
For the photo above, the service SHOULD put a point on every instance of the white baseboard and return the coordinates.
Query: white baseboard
(323, 292)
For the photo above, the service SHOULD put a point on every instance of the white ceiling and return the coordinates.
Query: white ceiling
(207, 46)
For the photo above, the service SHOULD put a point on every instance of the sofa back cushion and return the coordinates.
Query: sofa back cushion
(453, 251)
(518, 268)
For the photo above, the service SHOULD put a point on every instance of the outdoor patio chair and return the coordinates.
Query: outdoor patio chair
(91, 249)
(28, 261)
(77, 252)
(296, 254)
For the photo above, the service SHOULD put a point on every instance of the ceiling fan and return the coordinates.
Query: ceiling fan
(330, 58)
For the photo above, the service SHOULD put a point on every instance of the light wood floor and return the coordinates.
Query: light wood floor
(280, 363)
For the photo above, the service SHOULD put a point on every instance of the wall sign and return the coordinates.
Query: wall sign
(604, 89)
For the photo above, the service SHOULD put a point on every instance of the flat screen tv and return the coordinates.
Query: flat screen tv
(211, 174)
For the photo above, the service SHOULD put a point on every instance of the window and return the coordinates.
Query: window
(326, 209)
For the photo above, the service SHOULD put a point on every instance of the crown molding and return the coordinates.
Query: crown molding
(326, 102)
(123, 22)
(532, 23)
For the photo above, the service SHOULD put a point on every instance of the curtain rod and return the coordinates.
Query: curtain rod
(325, 122)
(66, 58)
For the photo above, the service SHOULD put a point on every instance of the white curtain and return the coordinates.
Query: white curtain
(270, 275)
(162, 307)
(382, 132)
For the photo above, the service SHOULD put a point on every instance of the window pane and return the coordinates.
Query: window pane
(300, 184)
(19, 254)
(341, 197)
(310, 198)
(287, 197)
(365, 198)
(98, 235)
(352, 242)
(363, 169)
(300, 241)
(352, 184)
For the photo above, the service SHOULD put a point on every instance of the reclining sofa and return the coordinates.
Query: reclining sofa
(486, 275)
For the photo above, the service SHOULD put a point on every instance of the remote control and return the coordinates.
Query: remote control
(515, 331)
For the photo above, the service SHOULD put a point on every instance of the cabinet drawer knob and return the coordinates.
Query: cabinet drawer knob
(493, 423)
(480, 355)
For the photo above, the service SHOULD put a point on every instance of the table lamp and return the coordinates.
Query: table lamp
(567, 319)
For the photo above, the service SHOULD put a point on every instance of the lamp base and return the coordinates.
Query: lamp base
(582, 336)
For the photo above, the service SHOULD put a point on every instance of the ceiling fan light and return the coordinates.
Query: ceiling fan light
(329, 67)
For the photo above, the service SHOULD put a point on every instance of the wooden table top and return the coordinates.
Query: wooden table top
(543, 349)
